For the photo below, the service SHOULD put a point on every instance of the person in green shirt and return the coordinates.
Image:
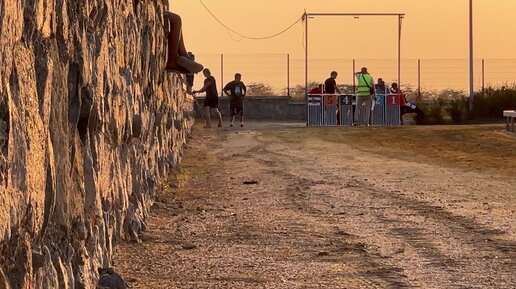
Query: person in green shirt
(365, 94)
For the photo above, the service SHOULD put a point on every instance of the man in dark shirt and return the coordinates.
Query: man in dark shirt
(330, 85)
(236, 91)
(211, 102)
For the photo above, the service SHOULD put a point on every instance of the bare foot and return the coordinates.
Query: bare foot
(176, 69)
(220, 124)
(189, 64)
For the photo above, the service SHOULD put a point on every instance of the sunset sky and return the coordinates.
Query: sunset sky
(431, 28)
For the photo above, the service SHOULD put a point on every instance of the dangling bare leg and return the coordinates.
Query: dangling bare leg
(176, 46)
(178, 57)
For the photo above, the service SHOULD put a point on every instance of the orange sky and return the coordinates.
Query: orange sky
(431, 28)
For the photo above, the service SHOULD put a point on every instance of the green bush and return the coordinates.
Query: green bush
(458, 109)
(493, 102)
(454, 106)
(434, 111)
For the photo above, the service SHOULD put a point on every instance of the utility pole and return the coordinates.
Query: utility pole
(471, 79)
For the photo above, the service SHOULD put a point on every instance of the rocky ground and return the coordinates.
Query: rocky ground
(285, 206)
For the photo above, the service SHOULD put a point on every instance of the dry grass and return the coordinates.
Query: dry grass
(477, 147)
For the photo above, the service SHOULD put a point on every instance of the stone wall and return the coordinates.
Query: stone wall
(89, 127)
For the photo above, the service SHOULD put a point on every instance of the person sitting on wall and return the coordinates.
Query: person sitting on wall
(406, 106)
(189, 78)
(178, 60)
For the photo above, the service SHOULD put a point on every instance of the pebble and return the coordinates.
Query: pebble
(189, 246)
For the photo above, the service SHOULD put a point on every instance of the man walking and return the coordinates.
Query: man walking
(365, 94)
(211, 102)
(236, 91)
(330, 85)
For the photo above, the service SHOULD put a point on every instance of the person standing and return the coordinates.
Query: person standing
(365, 94)
(380, 87)
(330, 85)
(211, 102)
(236, 91)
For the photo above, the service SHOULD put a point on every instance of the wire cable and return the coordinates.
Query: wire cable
(244, 36)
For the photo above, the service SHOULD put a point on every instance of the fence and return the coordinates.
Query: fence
(279, 74)
(345, 110)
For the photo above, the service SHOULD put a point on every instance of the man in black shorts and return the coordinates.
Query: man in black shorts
(211, 102)
(236, 91)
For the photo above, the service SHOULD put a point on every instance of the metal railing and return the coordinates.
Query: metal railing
(343, 110)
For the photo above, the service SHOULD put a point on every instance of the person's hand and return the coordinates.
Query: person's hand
(194, 92)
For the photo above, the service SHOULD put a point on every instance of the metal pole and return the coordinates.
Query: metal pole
(419, 78)
(306, 67)
(221, 74)
(399, 50)
(353, 75)
(471, 88)
(306, 53)
(288, 75)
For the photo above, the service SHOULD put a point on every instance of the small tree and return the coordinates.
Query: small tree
(298, 91)
(259, 89)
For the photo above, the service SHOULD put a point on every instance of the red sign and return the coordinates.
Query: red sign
(393, 99)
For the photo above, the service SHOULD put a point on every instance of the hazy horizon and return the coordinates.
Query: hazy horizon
(431, 29)
(437, 35)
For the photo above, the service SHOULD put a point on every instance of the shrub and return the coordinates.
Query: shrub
(458, 109)
(434, 111)
(493, 102)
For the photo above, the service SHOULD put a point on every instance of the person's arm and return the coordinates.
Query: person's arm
(203, 89)
(244, 90)
(226, 89)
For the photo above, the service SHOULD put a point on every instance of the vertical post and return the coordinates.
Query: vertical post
(483, 76)
(288, 75)
(471, 88)
(353, 75)
(400, 17)
(221, 74)
(419, 78)
(306, 53)
(306, 68)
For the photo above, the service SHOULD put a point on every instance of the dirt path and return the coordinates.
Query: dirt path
(335, 208)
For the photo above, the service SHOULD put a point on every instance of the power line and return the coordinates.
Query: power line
(244, 36)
